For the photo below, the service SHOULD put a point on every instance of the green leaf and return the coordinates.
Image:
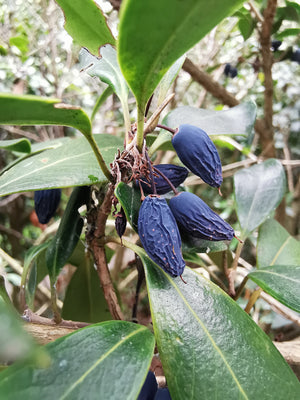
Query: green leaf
(107, 69)
(101, 99)
(86, 24)
(21, 42)
(37, 148)
(71, 164)
(168, 79)
(29, 274)
(21, 145)
(288, 32)
(37, 273)
(258, 191)
(15, 343)
(275, 246)
(34, 110)
(64, 242)
(153, 35)
(209, 347)
(280, 281)
(84, 299)
(109, 360)
(191, 244)
(238, 120)
(246, 25)
(130, 200)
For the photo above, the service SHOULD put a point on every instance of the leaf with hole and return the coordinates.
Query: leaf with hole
(280, 281)
(86, 23)
(258, 191)
(109, 360)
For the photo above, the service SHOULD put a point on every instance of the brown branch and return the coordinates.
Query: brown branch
(99, 253)
(217, 90)
(267, 134)
(209, 84)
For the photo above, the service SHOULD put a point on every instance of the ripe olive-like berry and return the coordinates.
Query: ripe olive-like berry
(296, 56)
(46, 203)
(275, 44)
(159, 235)
(197, 152)
(121, 222)
(149, 387)
(174, 173)
(163, 394)
(230, 71)
(195, 217)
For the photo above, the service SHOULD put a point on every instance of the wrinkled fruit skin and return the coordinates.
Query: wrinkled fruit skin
(46, 203)
(160, 236)
(149, 388)
(196, 218)
(174, 173)
(197, 152)
(120, 223)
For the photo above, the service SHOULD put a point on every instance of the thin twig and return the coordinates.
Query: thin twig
(152, 121)
(254, 297)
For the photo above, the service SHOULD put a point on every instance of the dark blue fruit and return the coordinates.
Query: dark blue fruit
(46, 203)
(163, 394)
(149, 388)
(227, 69)
(197, 152)
(196, 218)
(296, 56)
(174, 173)
(275, 44)
(231, 71)
(159, 235)
(121, 222)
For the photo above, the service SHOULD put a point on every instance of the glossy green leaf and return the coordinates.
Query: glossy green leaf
(168, 79)
(71, 164)
(209, 347)
(37, 272)
(154, 34)
(84, 299)
(288, 32)
(29, 274)
(238, 120)
(21, 145)
(275, 246)
(280, 281)
(37, 148)
(34, 110)
(86, 23)
(191, 244)
(64, 241)
(258, 191)
(107, 69)
(101, 99)
(105, 361)
(130, 200)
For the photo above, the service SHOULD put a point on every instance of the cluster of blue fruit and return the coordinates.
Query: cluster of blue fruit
(160, 223)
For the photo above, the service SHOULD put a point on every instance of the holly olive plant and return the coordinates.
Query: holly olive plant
(208, 345)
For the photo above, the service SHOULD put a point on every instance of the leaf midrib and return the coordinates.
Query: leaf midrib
(256, 273)
(102, 358)
(51, 165)
(206, 331)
